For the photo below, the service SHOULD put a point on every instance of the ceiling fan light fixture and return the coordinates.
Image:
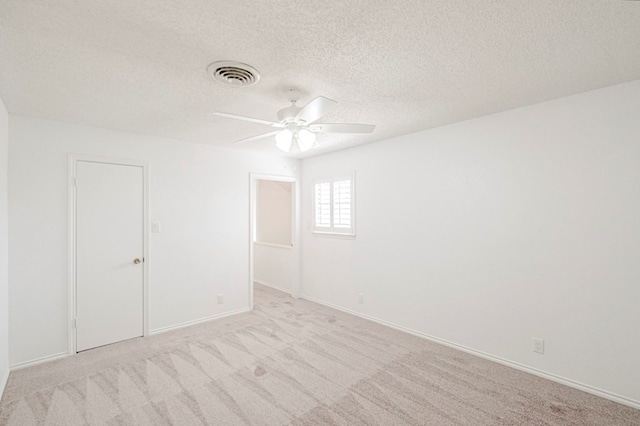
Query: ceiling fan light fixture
(284, 140)
(299, 124)
(306, 139)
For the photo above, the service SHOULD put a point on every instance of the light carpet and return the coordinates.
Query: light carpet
(291, 361)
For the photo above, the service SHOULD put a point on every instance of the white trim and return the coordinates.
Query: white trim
(71, 242)
(71, 251)
(282, 246)
(273, 286)
(295, 227)
(3, 383)
(198, 321)
(333, 235)
(296, 285)
(37, 361)
(145, 250)
(549, 376)
(61, 355)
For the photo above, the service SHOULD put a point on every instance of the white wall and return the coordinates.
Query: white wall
(198, 192)
(273, 211)
(489, 232)
(274, 266)
(4, 249)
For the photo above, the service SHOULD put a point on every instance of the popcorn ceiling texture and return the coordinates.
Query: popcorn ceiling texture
(291, 361)
(403, 65)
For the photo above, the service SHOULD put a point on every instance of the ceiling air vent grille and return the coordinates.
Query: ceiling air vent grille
(233, 73)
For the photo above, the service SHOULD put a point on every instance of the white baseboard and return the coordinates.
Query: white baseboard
(559, 379)
(274, 286)
(3, 383)
(198, 321)
(60, 355)
(37, 361)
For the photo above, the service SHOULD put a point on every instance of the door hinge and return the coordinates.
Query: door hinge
(75, 181)
(74, 323)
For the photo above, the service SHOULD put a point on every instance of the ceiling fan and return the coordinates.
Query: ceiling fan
(299, 123)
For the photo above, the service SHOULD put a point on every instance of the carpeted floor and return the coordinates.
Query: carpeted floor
(292, 362)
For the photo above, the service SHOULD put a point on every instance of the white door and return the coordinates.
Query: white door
(109, 253)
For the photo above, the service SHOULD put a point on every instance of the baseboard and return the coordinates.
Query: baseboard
(549, 376)
(274, 286)
(37, 361)
(54, 357)
(60, 355)
(3, 383)
(198, 321)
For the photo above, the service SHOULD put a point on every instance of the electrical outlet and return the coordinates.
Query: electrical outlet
(220, 299)
(538, 345)
(360, 298)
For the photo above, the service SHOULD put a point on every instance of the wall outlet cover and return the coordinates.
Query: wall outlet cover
(538, 345)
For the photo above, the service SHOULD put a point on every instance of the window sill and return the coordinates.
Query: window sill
(282, 246)
(333, 235)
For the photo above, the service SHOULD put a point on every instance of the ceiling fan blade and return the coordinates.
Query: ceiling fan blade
(342, 128)
(253, 138)
(315, 109)
(250, 119)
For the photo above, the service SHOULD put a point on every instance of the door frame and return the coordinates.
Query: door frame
(295, 227)
(72, 161)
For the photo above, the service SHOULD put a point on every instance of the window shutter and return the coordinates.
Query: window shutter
(342, 204)
(323, 205)
(334, 206)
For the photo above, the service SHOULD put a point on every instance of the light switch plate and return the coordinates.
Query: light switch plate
(155, 227)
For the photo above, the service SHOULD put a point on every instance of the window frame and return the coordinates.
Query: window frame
(332, 230)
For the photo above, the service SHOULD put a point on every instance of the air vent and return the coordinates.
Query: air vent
(233, 73)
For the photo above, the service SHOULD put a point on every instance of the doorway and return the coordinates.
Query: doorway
(108, 292)
(274, 245)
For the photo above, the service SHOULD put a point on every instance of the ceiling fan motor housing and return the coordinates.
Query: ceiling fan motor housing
(288, 115)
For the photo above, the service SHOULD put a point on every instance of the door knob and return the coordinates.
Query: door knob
(136, 261)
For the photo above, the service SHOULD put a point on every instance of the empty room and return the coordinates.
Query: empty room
(416, 212)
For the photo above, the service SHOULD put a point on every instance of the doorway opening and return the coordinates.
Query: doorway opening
(274, 249)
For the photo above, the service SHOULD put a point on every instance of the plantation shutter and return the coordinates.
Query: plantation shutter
(323, 205)
(342, 204)
(333, 206)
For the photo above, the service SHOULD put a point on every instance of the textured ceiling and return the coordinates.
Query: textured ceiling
(404, 65)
